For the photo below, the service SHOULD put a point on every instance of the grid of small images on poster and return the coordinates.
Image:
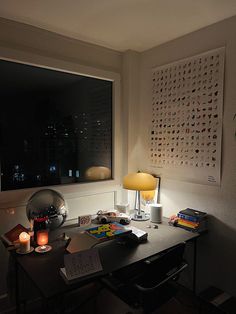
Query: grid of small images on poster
(186, 129)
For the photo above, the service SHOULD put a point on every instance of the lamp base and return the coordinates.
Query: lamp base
(140, 217)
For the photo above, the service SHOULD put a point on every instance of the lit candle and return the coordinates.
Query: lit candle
(24, 239)
(42, 239)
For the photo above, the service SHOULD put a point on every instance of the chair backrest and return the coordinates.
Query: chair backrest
(146, 284)
(155, 286)
(161, 266)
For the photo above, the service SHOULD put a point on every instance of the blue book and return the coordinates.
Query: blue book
(187, 217)
(192, 214)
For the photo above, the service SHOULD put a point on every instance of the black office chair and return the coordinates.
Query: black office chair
(150, 283)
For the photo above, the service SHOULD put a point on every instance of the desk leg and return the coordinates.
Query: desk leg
(17, 293)
(53, 305)
(194, 264)
(59, 304)
(45, 306)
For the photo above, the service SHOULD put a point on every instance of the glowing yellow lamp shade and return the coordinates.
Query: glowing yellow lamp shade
(148, 195)
(139, 181)
(98, 173)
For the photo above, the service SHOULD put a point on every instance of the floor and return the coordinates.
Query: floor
(185, 302)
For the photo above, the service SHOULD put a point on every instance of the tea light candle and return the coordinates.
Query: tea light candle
(42, 239)
(24, 239)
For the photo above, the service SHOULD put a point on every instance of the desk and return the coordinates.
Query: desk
(43, 269)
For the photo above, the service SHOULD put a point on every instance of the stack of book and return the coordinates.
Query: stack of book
(192, 220)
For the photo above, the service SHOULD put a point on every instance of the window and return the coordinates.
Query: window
(55, 127)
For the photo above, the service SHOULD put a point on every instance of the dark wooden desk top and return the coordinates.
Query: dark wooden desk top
(43, 269)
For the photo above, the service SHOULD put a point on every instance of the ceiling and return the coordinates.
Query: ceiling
(119, 24)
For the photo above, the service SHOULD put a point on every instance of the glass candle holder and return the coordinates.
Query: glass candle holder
(42, 241)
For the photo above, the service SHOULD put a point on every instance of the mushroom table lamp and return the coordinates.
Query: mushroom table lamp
(139, 181)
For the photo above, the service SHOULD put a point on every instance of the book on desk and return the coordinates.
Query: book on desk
(90, 237)
(192, 220)
(11, 237)
(108, 231)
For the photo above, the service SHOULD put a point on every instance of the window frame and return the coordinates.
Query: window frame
(19, 197)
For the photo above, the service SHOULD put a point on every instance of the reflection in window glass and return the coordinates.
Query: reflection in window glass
(55, 127)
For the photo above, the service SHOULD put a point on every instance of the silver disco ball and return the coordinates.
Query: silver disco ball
(47, 204)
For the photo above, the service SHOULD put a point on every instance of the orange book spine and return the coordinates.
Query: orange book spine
(188, 223)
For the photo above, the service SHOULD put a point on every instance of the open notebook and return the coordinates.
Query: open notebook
(81, 265)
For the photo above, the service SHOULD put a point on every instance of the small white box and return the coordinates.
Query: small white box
(122, 208)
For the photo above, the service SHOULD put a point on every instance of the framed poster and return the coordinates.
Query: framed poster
(186, 126)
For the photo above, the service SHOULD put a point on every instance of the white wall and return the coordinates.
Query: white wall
(31, 45)
(217, 250)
